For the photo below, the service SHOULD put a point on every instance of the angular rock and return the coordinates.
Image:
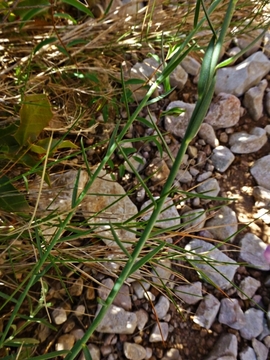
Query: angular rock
(191, 65)
(122, 299)
(178, 77)
(177, 125)
(247, 354)
(261, 171)
(162, 272)
(162, 307)
(225, 266)
(94, 352)
(136, 161)
(117, 321)
(158, 170)
(65, 342)
(231, 314)
(142, 318)
(244, 40)
(262, 196)
(108, 198)
(238, 79)
(207, 133)
(57, 198)
(224, 224)
(191, 293)
(248, 287)
(195, 219)
(183, 176)
(266, 44)
(222, 158)
(260, 349)
(59, 315)
(168, 217)
(140, 287)
(244, 143)
(253, 100)
(207, 311)
(159, 332)
(77, 287)
(210, 187)
(253, 324)
(252, 251)
(204, 176)
(134, 351)
(267, 103)
(144, 71)
(224, 111)
(172, 354)
(225, 346)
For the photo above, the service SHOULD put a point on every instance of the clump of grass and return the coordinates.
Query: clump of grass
(75, 67)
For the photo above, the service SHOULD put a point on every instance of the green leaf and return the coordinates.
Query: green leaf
(41, 146)
(44, 43)
(11, 200)
(35, 115)
(78, 5)
(173, 111)
(65, 16)
(134, 82)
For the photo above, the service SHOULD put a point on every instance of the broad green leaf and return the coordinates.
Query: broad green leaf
(78, 5)
(35, 115)
(41, 146)
(65, 16)
(11, 200)
(44, 43)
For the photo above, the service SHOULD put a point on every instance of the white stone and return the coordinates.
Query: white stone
(183, 176)
(266, 44)
(191, 65)
(140, 287)
(204, 176)
(224, 111)
(167, 218)
(117, 321)
(224, 348)
(231, 314)
(59, 315)
(142, 318)
(159, 332)
(248, 287)
(202, 253)
(191, 293)
(158, 170)
(222, 158)
(210, 187)
(178, 77)
(136, 161)
(261, 171)
(238, 79)
(260, 349)
(244, 143)
(252, 249)
(253, 324)
(122, 299)
(207, 311)
(134, 351)
(162, 307)
(195, 219)
(224, 224)
(177, 125)
(207, 133)
(65, 342)
(253, 100)
(111, 196)
(94, 352)
(244, 40)
(247, 354)
(162, 272)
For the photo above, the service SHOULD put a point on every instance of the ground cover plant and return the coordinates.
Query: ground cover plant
(68, 105)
